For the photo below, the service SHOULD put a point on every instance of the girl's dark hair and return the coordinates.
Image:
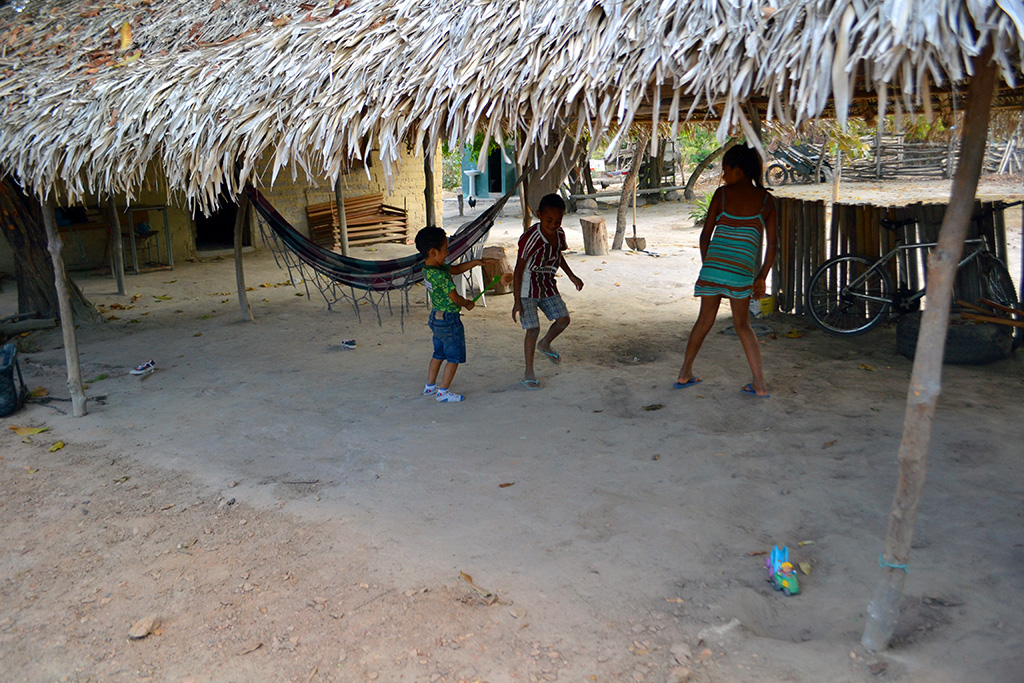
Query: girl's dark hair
(747, 160)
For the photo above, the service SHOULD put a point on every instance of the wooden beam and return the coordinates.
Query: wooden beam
(926, 377)
(67, 316)
(240, 220)
(117, 246)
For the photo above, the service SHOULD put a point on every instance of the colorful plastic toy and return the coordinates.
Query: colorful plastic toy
(781, 573)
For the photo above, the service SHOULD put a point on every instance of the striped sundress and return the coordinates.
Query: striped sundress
(728, 268)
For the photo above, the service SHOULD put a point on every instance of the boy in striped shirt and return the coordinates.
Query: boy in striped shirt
(540, 257)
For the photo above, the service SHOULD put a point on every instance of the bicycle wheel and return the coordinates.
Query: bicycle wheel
(776, 175)
(845, 296)
(997, 286)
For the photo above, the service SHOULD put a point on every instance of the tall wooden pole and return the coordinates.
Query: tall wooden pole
(926, 377)
(339, 201)
(428, 186)
(240, 220)
(118, 247)
(67, 316)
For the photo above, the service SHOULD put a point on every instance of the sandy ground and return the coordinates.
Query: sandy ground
(293, 511)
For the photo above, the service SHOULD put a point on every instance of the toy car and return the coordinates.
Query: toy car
(781, 573)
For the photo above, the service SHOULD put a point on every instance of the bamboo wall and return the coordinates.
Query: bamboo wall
(809, 235)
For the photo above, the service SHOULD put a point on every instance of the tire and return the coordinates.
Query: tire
(997, 286)
(967, 343)
(840, 309)
(777, 174)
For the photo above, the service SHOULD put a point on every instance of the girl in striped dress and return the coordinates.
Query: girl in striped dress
(741, 216)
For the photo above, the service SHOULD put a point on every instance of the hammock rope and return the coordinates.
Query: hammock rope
(357, 281)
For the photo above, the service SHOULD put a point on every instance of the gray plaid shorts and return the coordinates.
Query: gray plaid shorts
(553, 307)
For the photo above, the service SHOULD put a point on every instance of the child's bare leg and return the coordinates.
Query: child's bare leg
(529, 350)
(448, 376)
(705, 320)
(433, 369)
(557, 328)
(741, 323)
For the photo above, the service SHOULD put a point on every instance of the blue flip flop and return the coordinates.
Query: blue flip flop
(688, 383)
(552, 354)
(530, 384)
(749, 389)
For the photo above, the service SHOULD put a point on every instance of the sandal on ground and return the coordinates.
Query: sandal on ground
(688, 383)
(749, 389)
(531, 384)
(552, 354)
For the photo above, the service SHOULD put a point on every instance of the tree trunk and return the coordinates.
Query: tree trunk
(548, 177)
(587, 177)
(79, 407)
(21, 219)
(688, 194)
(926, 377)
(627, 189)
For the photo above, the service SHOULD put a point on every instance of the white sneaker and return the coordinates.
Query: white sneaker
(429, 389)
(143, 369)
(445, 396)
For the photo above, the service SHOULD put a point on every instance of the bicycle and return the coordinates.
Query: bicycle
(851, 294)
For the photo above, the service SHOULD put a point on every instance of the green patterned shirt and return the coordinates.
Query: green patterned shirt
(440, 285)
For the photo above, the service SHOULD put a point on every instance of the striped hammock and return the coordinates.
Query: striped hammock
(357, 281)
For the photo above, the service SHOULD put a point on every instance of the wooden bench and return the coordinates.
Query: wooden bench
(368, 218)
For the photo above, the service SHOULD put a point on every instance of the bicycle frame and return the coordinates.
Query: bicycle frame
(979, 244)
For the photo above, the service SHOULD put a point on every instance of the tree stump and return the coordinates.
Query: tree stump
(595, 236)
(502, 267)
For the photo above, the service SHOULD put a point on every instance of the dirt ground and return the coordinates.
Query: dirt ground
(290, 510)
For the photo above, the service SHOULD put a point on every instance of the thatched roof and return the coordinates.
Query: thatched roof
(207, 88)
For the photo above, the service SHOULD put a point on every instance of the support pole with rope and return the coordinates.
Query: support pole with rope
(926, 377)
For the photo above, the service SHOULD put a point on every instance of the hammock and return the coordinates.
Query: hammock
(357, 281)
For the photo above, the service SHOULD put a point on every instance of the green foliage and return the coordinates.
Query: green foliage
(696, 143)
(451, 170)
(701, 205)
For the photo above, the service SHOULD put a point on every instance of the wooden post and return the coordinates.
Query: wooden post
(67, 316)
(524, 192)
(339, 201)
(595, 236)
(243, 299)
(926, 377)
(628, 186)
(118, 248)
(428, 190)
(837, 174)
(500, 266)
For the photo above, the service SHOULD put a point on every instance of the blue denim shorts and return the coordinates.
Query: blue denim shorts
(449, 336)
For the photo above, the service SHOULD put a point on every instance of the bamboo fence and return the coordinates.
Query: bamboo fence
(808, 238)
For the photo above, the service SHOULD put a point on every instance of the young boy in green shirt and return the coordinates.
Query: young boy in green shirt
(445, 306)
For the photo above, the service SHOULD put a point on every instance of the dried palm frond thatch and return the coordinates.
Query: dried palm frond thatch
(94, 94)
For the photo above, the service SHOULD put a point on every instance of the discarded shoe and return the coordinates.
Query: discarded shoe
(348, 343)
(144, 369)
